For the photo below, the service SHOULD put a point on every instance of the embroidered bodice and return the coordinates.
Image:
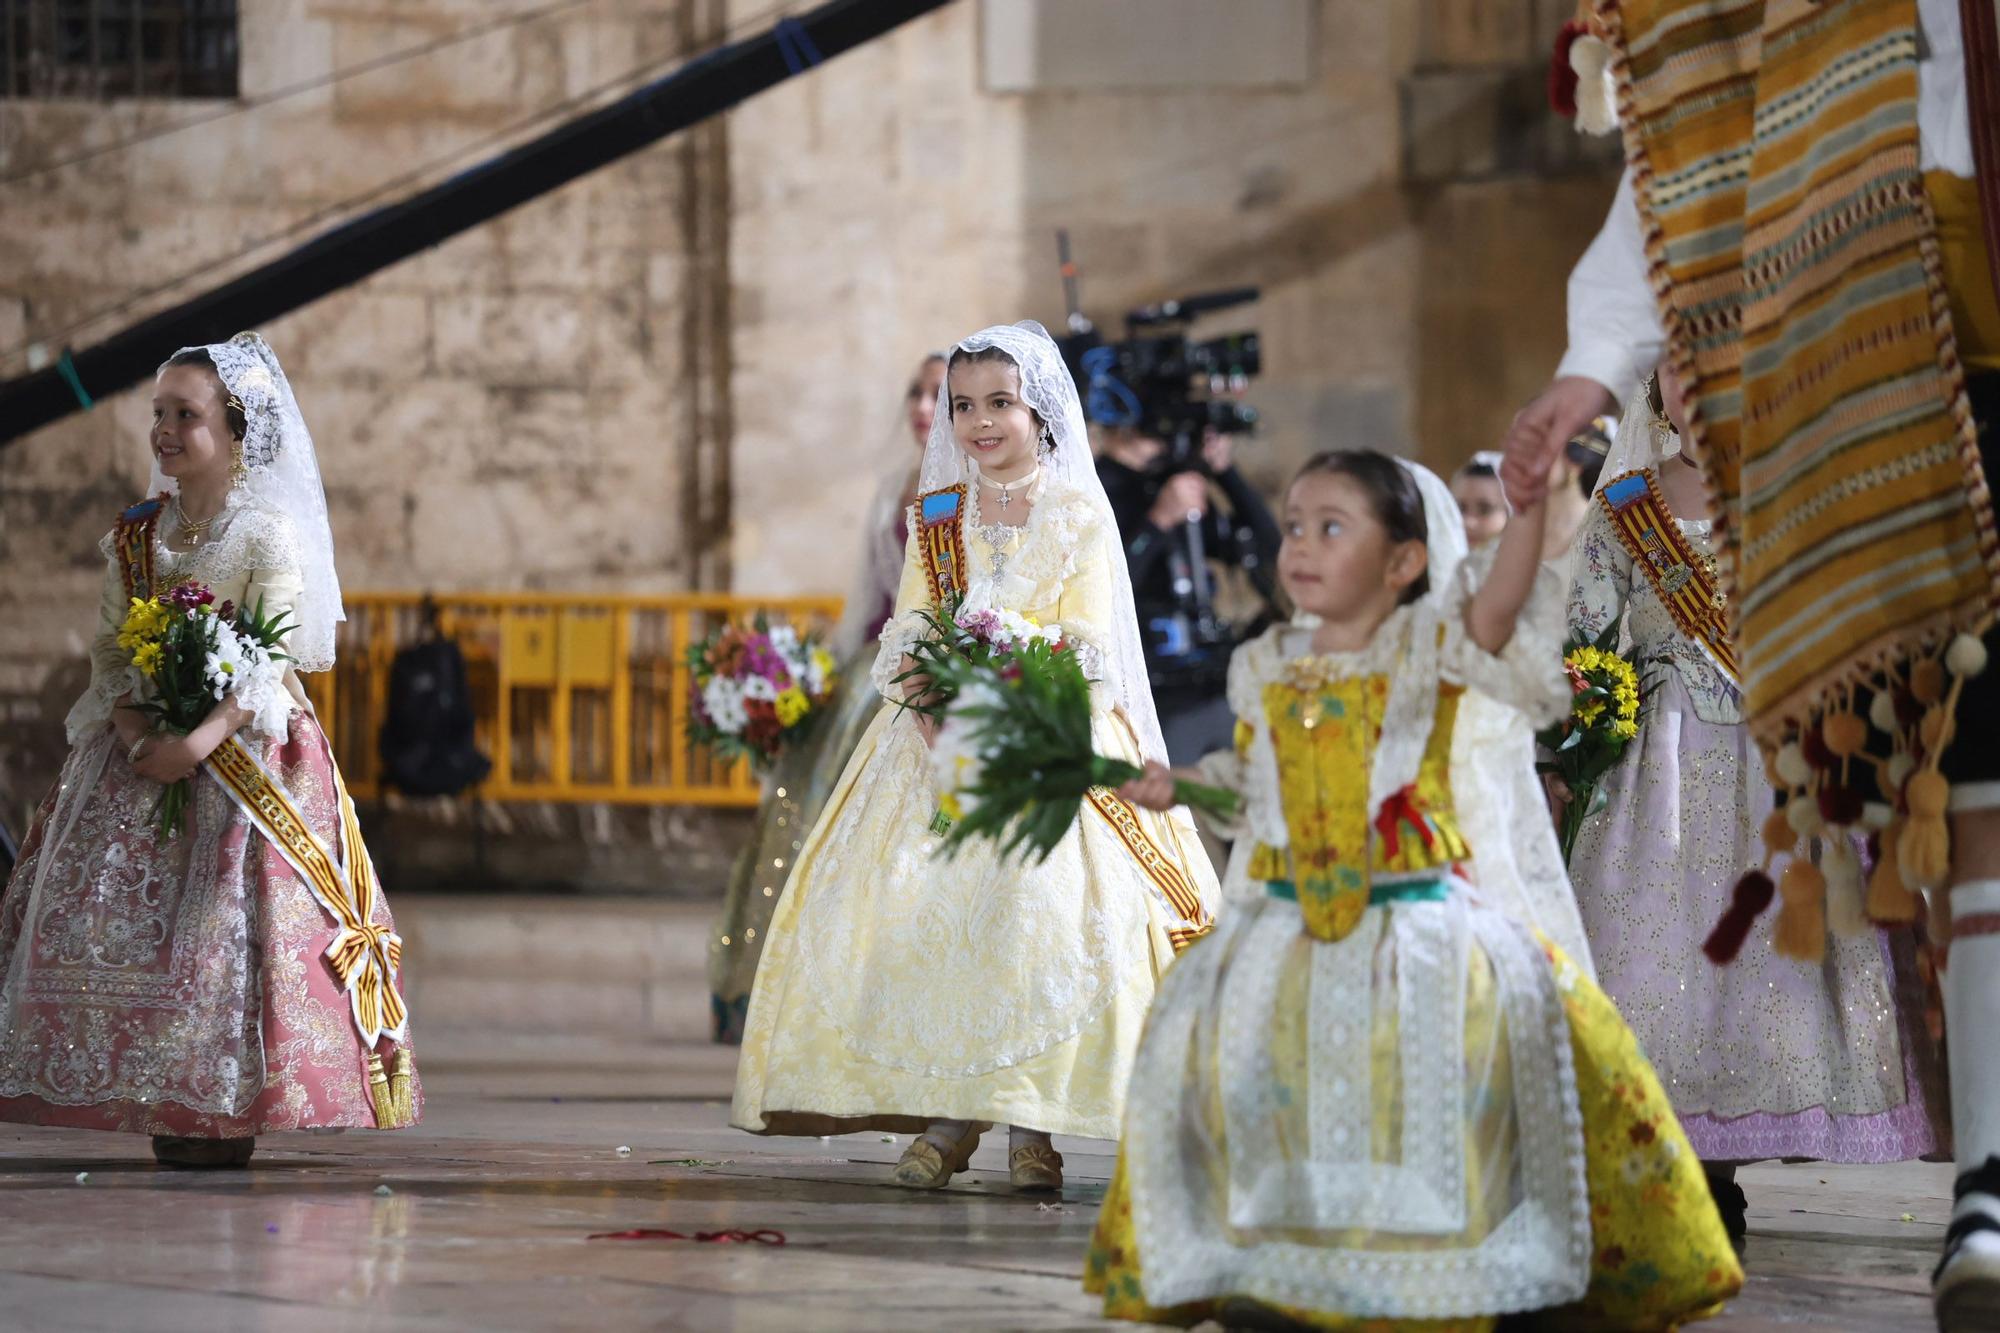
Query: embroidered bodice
(1055, 570)
(1325, 727)
(1605, 587)
(1317, 732)
(249, 553)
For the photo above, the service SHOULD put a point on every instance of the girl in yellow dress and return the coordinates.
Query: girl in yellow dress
(1374, 1098)
(906, 991)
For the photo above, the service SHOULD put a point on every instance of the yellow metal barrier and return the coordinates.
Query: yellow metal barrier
(577, 697)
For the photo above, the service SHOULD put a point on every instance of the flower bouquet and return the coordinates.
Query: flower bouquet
(967, 637)
(1603, 716)
(192, 654)
(1013, 758)
(756, 689)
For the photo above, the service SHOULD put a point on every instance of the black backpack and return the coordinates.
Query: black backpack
(426, 742)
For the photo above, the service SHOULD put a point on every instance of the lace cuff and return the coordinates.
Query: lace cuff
(261, 692)
(898, 635)
(1528, 672)
(1086, 641)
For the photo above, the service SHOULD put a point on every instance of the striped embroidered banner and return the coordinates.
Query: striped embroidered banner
(1774, 151)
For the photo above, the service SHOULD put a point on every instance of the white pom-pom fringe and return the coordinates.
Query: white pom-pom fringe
(1900, 768)
(1596, 90)
(1882, 712)
(1792, 766)
(1966, 657)
(1877, 815)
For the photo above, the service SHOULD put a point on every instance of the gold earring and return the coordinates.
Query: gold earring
(237, 472)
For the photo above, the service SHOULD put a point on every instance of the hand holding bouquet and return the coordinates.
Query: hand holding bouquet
(1013, 758)
(191, 654)
(1603, 716)
(961, 638)
(757, 689)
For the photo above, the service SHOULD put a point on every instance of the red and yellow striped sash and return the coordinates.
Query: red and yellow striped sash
(1682, 578)
(1191, 916)
(942, 539)
(133, 538)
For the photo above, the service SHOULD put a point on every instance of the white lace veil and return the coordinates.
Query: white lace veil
(282, 472)
(1046, 386)
(1642, 441)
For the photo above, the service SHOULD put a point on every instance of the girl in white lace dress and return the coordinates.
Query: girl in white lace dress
(238, 976)
(1374, 1098)
(903, 990)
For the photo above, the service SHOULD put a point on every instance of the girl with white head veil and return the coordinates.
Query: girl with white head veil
(1375, 1095)
(238, 976)
(1767, 1057)
(903, 990)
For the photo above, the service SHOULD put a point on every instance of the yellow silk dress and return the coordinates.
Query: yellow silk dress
(1369, 1099)
(899, 986)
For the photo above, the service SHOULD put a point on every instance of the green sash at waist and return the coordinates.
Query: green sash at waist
(1397, 891)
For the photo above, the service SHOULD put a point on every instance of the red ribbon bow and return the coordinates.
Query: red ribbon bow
(1402, 808)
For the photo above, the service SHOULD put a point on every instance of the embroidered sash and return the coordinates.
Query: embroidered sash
(1191, 918)
(133, 538)
(1682, 578)
(365, 957)
(941, 538)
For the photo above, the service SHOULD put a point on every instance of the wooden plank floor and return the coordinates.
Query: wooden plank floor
(480, 1218)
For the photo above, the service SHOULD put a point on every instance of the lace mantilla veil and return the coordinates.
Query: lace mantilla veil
(1046, 386)
(282, 472)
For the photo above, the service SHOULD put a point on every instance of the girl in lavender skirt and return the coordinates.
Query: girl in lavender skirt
(1767, 1057)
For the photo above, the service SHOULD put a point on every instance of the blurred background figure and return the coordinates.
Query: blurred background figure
(1168, 413)
(1177, 525)
(1481, 501)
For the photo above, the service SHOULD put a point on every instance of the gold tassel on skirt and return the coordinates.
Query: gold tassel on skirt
(402, 1090)
(379, 1093)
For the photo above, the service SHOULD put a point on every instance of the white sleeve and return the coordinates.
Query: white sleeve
(1615, 336)
(1527, 674)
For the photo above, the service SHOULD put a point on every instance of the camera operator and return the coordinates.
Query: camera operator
(1175, 519)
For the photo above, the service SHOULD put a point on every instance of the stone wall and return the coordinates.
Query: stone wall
(1409, 211)
(517, 408)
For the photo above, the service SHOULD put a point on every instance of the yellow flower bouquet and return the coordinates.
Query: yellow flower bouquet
(191, 654)
(1603, 718)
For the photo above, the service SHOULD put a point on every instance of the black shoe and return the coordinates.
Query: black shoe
(1966, 1284)
(169, 1150)
(1731, 1202)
